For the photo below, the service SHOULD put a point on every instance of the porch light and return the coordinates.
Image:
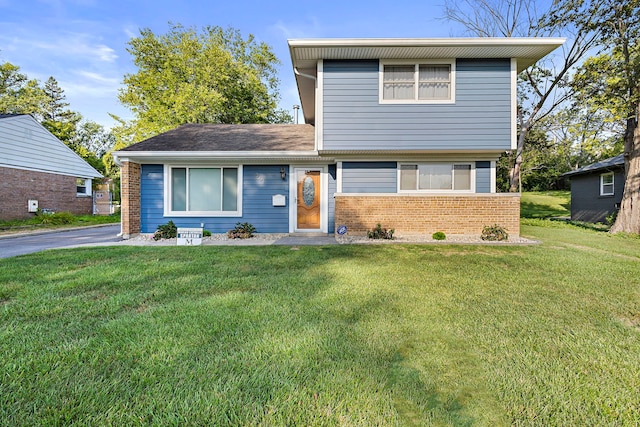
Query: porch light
(283, 173)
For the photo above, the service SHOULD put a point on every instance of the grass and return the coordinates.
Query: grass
(344, 335)
(37, 222)
(545, 204)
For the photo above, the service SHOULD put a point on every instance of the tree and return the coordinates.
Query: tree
(214, 76)
(19, 94)
(57, 118)
(544, 86)
(610, 81)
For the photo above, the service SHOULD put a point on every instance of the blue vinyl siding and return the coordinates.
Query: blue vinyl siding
(260, 183)
(369, 177)
(479, 119)
(483, 177)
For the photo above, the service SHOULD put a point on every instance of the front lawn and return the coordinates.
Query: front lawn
(344, 335)
(57, 220)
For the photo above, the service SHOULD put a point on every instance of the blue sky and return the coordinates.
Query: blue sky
(82, 43)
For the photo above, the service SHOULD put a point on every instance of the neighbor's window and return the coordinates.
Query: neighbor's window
(83, 187)
(435, 177)
(417, 82)
(606, 184)
(207, 191)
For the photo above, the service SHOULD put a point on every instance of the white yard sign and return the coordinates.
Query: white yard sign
(189, 236)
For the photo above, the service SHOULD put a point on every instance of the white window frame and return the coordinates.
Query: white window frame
(416, 64)
(472, 184)
(87, 187)
(168, 192)
(612, 184)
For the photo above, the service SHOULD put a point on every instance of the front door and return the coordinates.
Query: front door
(308, 197)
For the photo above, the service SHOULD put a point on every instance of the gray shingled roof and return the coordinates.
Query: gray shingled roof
(607, 164)
(224, 137)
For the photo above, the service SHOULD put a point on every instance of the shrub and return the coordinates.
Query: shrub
(494, 233)
(438, 235)
(611, 218)
(380, 233)
(166, 231)
(54, 218)
(242, 231)
(206, 233)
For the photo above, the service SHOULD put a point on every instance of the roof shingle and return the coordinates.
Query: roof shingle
(231, 137)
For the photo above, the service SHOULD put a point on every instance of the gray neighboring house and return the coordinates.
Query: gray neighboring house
(596, 189)
(38, 171)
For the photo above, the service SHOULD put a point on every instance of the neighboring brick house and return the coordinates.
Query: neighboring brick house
(596, 189)
(37, 170)
(402, 132)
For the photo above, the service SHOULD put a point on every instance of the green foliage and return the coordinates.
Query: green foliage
(611, 218)
(380, 233)
(166, 231)
(494, 233)
(241, 231)
(186, 76)
(19, 94)
(54, 218)
(438, 235)
(206, 233)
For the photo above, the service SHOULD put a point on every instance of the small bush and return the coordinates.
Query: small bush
(438, 235)
(242, 231)
(380, 233)
(54, 218)
(166, 231)
(206, 233)
(611, 218)
(494, 233)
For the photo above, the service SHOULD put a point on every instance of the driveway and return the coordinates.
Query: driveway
(30, 243)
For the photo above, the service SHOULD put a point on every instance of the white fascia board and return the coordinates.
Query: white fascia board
(444, 41)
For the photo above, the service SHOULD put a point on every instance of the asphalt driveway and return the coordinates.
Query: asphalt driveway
(29, 243)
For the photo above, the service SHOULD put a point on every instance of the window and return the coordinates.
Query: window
(83, 187)
(204, 191)
(436, 177)
(606, 184)
(417, 82)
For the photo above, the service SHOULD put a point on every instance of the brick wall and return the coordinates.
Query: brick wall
(130, 198)
(52, 191)
(426, 214)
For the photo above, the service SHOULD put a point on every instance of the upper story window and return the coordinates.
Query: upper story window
(206, 191)
(419, 82)
(436, 177)
(606, 184)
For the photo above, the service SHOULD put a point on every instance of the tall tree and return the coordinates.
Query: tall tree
(610, 82)
(57, 117)
(185, 76)
(544, 86)
(19, 94)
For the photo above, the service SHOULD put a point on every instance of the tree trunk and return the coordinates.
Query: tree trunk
(628, 219)
(514, 173)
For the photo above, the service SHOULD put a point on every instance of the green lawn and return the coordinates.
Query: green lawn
(545, 204)
(39, 222)
(345, 335)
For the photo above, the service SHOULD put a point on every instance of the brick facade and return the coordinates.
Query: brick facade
(130, 199)
(52, 191)
(426, 214)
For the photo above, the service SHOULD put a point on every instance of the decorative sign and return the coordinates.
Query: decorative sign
(308, 191)
(342, 230)
(189, 236)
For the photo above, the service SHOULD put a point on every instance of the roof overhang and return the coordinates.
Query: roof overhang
(305, 54)
(245, 157)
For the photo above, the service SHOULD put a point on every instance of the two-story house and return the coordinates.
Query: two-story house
(402, 132)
